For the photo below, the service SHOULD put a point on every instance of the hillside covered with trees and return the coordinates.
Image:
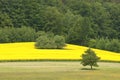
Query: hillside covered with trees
(93, 23)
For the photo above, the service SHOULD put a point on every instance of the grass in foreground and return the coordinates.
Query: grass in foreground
(27, 51)
(58, 71)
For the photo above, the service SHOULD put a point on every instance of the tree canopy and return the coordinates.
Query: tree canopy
(78, 21)
(90, 58)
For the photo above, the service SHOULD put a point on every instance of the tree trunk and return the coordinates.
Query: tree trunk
(91, 67)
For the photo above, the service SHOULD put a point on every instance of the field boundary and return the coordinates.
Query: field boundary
(55, 60)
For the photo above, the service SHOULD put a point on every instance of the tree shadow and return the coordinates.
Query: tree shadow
(88, 69)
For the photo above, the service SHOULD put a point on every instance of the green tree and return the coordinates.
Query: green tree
(25, 34)
(113, 45)
(59, 41)
(53, 20)
(43, 42)
(81, 31)
(5, 20)
(90, 58)
(11, 34)
(3, 36)
(49, 41)
(100, 20)
(72, 25)
(114, 11)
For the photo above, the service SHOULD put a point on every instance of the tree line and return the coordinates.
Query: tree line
(79, 21)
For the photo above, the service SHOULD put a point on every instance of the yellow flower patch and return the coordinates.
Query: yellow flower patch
(27, 51)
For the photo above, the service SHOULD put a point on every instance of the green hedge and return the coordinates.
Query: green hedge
(22, 34)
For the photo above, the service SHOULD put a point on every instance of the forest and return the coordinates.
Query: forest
(92, 23)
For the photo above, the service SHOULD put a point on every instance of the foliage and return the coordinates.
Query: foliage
(77, 20)
(59, 41)
(113, 45)
(90, 58)
(50, 41)
(44, 42)
(12, 34)
(26, 34)
(105, 44)
(3, 37)
(5, 20)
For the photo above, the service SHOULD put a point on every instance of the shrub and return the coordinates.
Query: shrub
(44, 42)
(114, 45)
(105, 44)
(59, 41)
(3, 37)
(100, 43)
(49, 41)
(92, 43)
(11, 34)
(40, 33)
(26, 34)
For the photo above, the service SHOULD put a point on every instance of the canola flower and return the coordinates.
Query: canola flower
(27, 51)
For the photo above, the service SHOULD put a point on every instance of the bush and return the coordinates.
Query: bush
(12, 34)
(59, 41)
(105, 44)
(3, 37)
(22, 34)
(49, 41)
(26, 34)
(44, 42)
(92, 43)
(101, 43)
(114, 45)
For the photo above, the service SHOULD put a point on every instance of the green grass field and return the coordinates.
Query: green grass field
(58, 71)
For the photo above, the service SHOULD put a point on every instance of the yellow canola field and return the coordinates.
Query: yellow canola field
(27, 51)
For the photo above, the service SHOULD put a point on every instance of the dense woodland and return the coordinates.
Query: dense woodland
(93, 23)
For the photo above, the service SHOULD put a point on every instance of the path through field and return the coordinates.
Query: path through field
(57, 71)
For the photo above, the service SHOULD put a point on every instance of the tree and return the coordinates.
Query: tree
(59, 41)
(90, 58)
(43, 42)
(3, 36)
(49, 41)
(5, 20)
(53, 20)
(81, 31)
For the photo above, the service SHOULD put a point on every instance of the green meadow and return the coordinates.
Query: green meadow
(48, 70)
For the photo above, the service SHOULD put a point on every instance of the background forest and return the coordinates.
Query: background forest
(93, 23)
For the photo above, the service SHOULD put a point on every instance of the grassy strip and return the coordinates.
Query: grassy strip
(58, 71)
(56, 60)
